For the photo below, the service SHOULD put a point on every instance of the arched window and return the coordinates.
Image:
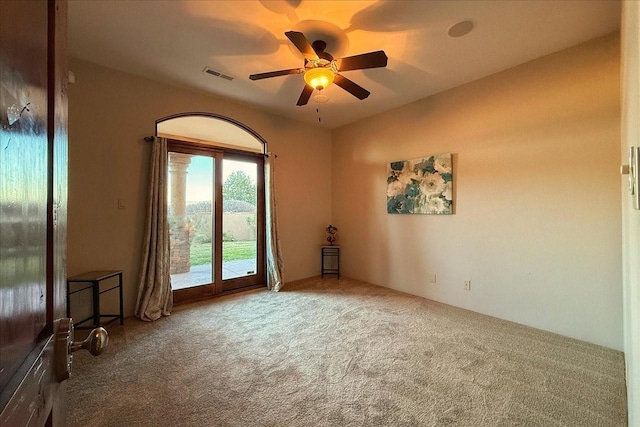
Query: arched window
(216, 204)
(211, 129)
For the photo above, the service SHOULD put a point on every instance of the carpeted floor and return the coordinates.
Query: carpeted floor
(342, 353)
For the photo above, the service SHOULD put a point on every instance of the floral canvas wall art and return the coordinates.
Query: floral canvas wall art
(421, 186)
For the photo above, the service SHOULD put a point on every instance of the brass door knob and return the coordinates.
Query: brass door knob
(64, 346)
(95, 343)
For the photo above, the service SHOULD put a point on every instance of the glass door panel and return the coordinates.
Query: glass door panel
(239, 218)
(191, 186)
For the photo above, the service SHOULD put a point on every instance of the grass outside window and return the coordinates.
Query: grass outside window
(231, 251)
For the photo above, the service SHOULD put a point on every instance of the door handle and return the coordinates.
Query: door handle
(64, 346)
(633, 170)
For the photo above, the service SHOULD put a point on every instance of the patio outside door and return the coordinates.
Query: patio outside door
(216, 217)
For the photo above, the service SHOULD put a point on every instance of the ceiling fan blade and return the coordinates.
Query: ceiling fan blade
(300, 41)
(305, 95)
(351, 87)
(365, 60)
(276, 73)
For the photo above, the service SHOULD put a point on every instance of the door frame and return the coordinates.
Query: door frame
(220, 286)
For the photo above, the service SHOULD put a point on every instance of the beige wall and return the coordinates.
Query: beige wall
(537, 227)
(631, 217)
(536, 149)
(109, 114)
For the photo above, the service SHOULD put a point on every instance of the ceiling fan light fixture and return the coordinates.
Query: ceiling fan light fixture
(319, 78)
(321, 69)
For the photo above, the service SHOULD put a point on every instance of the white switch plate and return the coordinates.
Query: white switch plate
(467, 285)
(433, 278)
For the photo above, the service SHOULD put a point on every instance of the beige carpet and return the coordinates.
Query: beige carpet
(342, 353)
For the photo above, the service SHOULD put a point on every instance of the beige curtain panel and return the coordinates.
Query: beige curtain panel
(155, 298)
(275, 266)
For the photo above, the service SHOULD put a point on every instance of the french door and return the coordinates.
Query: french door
(215, 219)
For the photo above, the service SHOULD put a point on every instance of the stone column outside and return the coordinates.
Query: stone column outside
(180, 227)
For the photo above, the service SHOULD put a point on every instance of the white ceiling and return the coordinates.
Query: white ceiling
(172, 41)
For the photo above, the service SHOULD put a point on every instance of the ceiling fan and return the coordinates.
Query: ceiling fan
(321, 69)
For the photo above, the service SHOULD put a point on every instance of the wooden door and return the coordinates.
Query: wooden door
(33, 195)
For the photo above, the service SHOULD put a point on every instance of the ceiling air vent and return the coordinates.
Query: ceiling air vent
(216, 73)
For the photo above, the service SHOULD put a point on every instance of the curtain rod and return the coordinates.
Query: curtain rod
(151, 138)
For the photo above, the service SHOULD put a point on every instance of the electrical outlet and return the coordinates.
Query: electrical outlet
(433, 278)
(467, 285)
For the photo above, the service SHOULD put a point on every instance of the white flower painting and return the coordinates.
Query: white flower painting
(421, 186)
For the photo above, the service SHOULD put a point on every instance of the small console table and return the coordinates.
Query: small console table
(93, 279)
(330, 256)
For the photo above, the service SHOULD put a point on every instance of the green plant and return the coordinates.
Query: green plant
(202, 224)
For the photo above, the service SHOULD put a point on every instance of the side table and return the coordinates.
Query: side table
(330, 260)
(93, 279)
